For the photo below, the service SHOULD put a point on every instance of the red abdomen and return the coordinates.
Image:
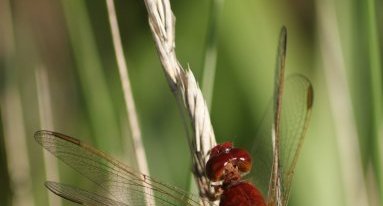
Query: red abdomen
(242, 194)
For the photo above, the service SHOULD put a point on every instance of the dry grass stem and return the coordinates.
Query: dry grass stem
(16, 148)
(210, 58)
(15, 143)
(128, 96)
(340, 100)
(184, 87)
(46, 122)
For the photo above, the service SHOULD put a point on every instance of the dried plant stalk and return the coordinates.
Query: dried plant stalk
(16, 147)
(185, 88)
(128, 97)
(12, 116)
(338, 88)
(46, 122)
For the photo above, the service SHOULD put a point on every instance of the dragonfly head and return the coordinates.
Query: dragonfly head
(227, 163)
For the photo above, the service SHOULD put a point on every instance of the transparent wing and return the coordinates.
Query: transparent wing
(295, 115)
(120, 183)
(266, 149)
(80, 196)
(262, 153)
(275, 189)
(279, 140)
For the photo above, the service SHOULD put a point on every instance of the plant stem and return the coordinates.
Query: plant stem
(210, 62)
(341, 105)
(128, 97)
(94, 86)
(376, 87)
(46, 122)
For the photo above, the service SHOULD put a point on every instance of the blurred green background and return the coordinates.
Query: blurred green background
(68, 42)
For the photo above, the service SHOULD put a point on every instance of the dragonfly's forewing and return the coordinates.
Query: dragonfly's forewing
(80, 196)
(280, 136)
(266, 149)
(275, 192)
(262, 154)
(119, 182)
(296, 113)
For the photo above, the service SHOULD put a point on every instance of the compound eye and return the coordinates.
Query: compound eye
(223, 154)
(221, 148)
(242, 159)
(215, 166)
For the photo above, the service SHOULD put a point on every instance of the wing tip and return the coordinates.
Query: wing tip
(283, 38)
(58, 189)
(38, 135)
(310, 97)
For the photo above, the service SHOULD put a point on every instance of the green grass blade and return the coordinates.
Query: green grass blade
(210, 61)
(376, 86)
(93, 83)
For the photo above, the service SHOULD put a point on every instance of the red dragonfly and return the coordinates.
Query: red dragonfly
(275, 154)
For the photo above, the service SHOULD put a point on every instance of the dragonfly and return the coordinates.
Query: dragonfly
(276, 149)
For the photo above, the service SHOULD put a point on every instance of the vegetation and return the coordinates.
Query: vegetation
(58, 62)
